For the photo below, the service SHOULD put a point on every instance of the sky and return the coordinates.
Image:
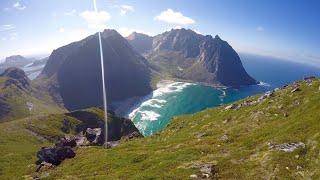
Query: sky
(286, 29)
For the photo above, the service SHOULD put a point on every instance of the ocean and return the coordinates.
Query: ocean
(170, 99)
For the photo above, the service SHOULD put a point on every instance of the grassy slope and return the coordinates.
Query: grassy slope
(21, 139)
(245, 155)
(17, 99)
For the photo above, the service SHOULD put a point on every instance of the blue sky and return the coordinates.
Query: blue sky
(287, 29)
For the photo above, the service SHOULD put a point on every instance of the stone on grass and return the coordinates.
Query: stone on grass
(295, 89)
(231, 106)
(287, 147)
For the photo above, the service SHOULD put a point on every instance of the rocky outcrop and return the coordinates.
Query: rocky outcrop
(17, 77)
(117, 127)
(74, 71)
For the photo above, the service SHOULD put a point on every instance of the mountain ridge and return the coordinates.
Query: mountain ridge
(185, 54)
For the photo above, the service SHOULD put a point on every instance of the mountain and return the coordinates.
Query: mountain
(185, 54)
(18, 95)
(73, 74)
(140, 42)
(15, 61)
(31, 66)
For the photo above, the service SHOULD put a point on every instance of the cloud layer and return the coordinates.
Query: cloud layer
(173, 17)
(96, 20)
(124, 9)
(18, 6)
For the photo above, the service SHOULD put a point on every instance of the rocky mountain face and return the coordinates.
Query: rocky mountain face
(187, 55)
(73, 72)
(15, 61)
(31, 66)
(140, 42)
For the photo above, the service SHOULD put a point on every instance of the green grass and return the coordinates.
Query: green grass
(245, 155)
(171, 153)
(17, 100)
(21, 139)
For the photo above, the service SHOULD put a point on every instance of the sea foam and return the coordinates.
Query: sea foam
(156, 100)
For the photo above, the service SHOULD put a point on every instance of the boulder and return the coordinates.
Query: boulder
(93, 135)
(54, 155)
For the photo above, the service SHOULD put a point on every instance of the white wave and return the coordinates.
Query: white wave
(169, 88)
(149, 115)
(264, 84)
(155, 99)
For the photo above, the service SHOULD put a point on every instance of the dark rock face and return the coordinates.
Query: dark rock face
(140, 42)
(78, 73)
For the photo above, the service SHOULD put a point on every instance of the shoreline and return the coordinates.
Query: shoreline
(128, 106)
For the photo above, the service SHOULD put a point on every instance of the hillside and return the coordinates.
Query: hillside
(20, 98)
(246, 141)
(21, 139)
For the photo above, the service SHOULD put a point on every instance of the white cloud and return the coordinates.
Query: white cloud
(124, 31)
(61, 30)
(260, 28)
(172, 17)
(6, 9)
(124, 9)
(13, 36)
(18, 6)
(96, 20)
(7, 27)
(70, 13)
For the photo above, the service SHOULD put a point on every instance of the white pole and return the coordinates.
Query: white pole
(103, 80)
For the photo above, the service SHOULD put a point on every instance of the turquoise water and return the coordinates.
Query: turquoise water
(177, 98)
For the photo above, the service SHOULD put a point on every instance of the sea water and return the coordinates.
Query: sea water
(170, 99)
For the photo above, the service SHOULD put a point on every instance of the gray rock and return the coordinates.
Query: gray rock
(93, 135)
(231, 106)
(193, 176)
(224, 138)
(295, 89)
(111, 144)
(54, 155)
(287, 147)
